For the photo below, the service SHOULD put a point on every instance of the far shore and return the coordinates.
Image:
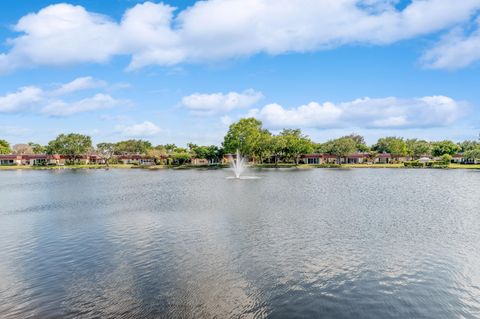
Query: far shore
(220, 166)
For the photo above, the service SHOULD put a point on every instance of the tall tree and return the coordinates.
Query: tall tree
(341, 147)
(445, 147)
(211, 153)
(295, 144)
(170, 147)
(417, 148)
(132, 147)
(263, 146)
(4, 147)
(395, 146)
(158, 155)
(72, 145)
(473, 154)
(468, 145)
(37, 148)
(277, 147)
(244, 135)
(106, 150)
(360, 144)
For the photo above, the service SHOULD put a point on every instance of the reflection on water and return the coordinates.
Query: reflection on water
(293, 243)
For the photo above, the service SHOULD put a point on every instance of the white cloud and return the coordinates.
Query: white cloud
(57, 102)
(79, 84)
(219, 102)
(455, 50)
(144, 129)
(152, 33)
(24, 99)
(425, 112)
(96, 102)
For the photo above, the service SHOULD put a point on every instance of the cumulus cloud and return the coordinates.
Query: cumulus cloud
(454, 51)
(57, 102)
(21, 100)
(391, 112)
(200, 103)
(145, 129)
(155, 34)
(96, 102)
(79, 84)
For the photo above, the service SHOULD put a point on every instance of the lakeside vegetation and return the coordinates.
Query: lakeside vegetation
(263, 149)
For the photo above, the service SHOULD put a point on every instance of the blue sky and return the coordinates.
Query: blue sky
(119, 69)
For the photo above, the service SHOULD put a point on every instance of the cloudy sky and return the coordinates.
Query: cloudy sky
(182, 71)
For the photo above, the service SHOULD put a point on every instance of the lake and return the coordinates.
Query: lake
(349, 243)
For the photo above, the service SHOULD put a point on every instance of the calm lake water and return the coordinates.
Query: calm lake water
(360, 243)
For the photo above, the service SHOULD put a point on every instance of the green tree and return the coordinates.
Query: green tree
(445, 147)
(132, 147)
(37, 148)
(446, 159)
(277, 147)
(263, 146)
(4, 147)
(198, 151)
(72, 145)
(246, 135)
(295, 144)
(341, 147)
(417, 148)
(106, 150)
(468, 145)
(473, 154)
(395, 146)
(169, 147)
(360, 144)
(158, 155)
(211, 153)
(180, 158)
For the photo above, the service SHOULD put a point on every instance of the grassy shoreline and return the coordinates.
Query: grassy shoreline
(203, 167)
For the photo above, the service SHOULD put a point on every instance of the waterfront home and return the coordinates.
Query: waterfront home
(383, 158)
(200, 161)
(10, 159)
(460, 159)
(360, 158)
(44, 159)
(33, 159)
(135, 160)
(315, 159)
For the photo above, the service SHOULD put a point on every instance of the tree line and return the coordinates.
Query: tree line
(252, 140)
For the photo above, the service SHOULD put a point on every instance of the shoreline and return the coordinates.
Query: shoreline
(214, 167)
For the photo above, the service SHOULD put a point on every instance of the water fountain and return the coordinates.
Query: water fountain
(237, 164)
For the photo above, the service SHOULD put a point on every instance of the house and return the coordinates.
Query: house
(44, 159)
(10, 159)
(460, 159)
(35, 159)
(200, 161)
(383, 158)
(94, 159)
(315, 159)
(359, 158)
(136, 160)
(312, 159)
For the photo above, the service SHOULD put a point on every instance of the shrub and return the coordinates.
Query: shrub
(446, 159)
(413, 164)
